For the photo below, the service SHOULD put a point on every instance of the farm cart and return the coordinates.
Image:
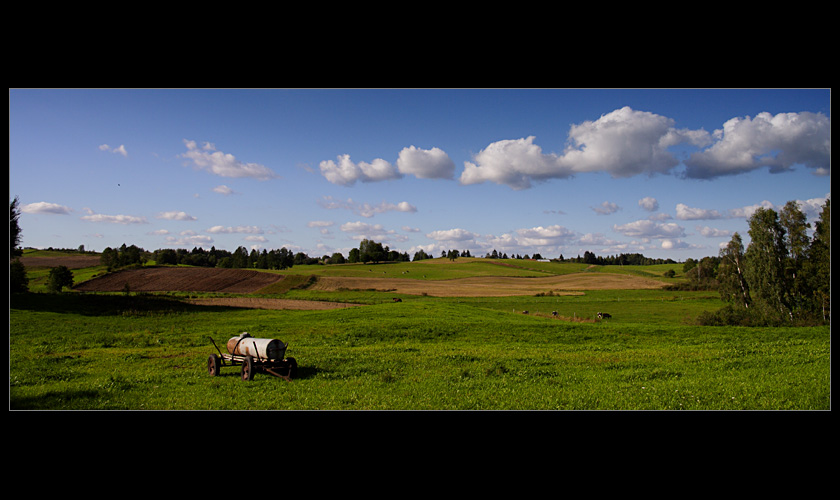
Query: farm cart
(253, 355)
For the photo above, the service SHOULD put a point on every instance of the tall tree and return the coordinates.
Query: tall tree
(818, 264)
(766, 257)
(14, 228)
(793, 220)
(732, 282)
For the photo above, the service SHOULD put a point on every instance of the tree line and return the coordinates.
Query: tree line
(782, 277)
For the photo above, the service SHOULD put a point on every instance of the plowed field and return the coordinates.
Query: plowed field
(181, 279)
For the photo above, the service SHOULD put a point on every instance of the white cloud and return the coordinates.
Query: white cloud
(222, 164)
(189, 241)
(775, 141)
(669, 244)
(43, 207)
(626, 142)
(650, 229)
(457, 234)
(606, 208)
(649, 203)
(115, 219)
(684, 212)
(747, 211)
(223, 190)
(347, 173)
(710, 232)
(597, 239)
(237, 229)
(544, 236)
(365, 209)
(513, 163)
(363, 230)
(622, 143)
(175, 216)
(118, 150)
(426, 163)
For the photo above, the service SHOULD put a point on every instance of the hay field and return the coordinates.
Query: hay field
(491, 286)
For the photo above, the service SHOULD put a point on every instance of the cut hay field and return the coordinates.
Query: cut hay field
(491, 286)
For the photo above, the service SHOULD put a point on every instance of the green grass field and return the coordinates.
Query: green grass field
(149, 351)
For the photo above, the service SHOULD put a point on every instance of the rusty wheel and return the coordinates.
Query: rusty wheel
(214, 365)
(248, 368)
(292, 367)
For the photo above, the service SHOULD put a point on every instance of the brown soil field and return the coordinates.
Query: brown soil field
(256, 303)
(181, 279)
(71, 261)
(569, 284)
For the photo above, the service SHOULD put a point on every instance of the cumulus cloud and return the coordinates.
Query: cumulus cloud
(710, 232)
(365, 209)
(223, 190)
(426, 163)
(175, 216)
(649, 203)
(606, 208)
(749, 210)
(623, 143)
(544, 236)
(684, 212)
(237, 229)
(347, 173)
(452, 235)
(627, 142)
(514, 163)
(775, 141)
(223, 164)
(43, 207)
(118, 150)
(189, 240)
(363, 230)
(650, 230)
(115, 219)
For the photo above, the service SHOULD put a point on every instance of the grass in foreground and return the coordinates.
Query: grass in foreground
(74, 351)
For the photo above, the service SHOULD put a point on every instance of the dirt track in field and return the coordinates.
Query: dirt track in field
(500, 286)
(256, 303)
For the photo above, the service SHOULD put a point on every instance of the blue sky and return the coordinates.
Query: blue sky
(663, 172)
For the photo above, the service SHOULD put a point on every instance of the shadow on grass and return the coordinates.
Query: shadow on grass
(105, 305)
(56, 400)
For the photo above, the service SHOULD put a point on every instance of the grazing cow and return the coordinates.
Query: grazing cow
(554, 313)
(397, 299)
(604, 315)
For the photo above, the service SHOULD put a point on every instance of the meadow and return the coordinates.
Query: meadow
(149, 351)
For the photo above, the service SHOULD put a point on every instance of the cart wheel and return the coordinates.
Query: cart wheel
(214, 365)
(248, 368)
(292, 367)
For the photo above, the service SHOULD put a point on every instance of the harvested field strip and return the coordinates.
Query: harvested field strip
(70, 261)
(499, 286)
(257, 303)
(181, 279)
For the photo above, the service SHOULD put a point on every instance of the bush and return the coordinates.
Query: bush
(59, 278)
